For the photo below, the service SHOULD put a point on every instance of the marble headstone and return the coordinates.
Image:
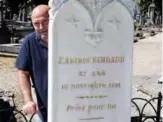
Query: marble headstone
(90, 60)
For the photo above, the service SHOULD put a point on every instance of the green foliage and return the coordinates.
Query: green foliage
(137, 2)
(144, 4)
(138, 26)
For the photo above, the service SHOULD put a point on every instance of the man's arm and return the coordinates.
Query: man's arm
(25, 86)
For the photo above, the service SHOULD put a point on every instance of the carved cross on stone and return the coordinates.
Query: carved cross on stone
(73, 20)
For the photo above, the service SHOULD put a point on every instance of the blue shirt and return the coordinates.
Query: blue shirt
(33, 57)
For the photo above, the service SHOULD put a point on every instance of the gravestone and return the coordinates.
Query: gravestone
(5, 34)
(151, 12)
(90, 60)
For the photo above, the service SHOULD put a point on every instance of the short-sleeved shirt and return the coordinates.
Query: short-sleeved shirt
(33, 57)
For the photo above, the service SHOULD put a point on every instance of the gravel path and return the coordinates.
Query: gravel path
(147, 64)
(8, 79)
(147, 70)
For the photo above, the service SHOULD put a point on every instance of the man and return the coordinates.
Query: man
(32, 63)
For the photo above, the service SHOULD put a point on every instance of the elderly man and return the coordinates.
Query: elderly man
(32, 63)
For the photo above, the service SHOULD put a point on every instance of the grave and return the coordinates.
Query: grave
(10, 48)
(90, 60)
(5, 34)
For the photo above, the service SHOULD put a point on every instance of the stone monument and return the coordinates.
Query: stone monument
(151, 11)
(90, 60)
(4, 31)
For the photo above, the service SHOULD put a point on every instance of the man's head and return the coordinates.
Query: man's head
(40, 21)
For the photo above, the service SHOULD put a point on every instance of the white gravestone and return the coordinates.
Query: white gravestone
(90, 61)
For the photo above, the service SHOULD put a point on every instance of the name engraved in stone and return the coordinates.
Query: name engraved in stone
(87, 60)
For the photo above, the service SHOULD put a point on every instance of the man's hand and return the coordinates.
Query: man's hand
(30, 108)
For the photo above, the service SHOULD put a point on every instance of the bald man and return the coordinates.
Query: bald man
(32, 63)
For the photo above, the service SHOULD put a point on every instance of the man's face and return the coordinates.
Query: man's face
(40, 24)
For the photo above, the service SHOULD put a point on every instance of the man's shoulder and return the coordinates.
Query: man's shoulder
(24, 57)
(31, 37)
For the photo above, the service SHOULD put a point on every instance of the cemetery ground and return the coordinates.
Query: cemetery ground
(146, 71)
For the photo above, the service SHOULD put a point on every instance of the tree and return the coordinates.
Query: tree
(14, 4)
(144, 4)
